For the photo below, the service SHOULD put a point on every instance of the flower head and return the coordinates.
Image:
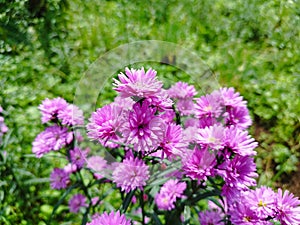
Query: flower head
(76, 202)
(212, 136)
(51, 108)
(209, 105)
(137, 83)
(71, 115)
(231, 98)
(97, 164)
(130, 174)
(110, 219)
(210, 218)
(59, 178)
(182, 90)
(78, 156)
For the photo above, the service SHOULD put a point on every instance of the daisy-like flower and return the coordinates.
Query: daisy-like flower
(200, 165)
(241, 214)
(262, 201)
(239, 173)
(110, 219)
(186, 107)
(169, 193)
(76, 202)
(231, 98)
(52, 138)
(97, 164)
(210, 218)
(145, 131)
(51, 107)
(238, 116)
(59, 178)
(161, 101)
(239, 141)
(209, 105)
(287, 208)
(104, 125)
(172, 143)
(130, 174)
(212, 136)
(182, 90)
(78, 156)
(137, 83)
(71, 115)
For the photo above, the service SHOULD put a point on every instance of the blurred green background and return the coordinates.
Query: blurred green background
(47, 45)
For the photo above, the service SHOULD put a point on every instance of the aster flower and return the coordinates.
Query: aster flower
(182, 90)
(287, 208)
(168, 194)
(210, 217)
(137, 83)
(71, 115)
(52, 138)
(145, 131)
(212, 136)
(186, 107)
(161, 101)
(130, 174)
(238, 116)
(231, 98)
(241, 214)
(240, 172)
(200, 165)
(51, 108)
(104, 125)
(76, 202)
(78, 156)
(97, 164)
(168, 116)
(172, 143)
(110, 219)
(208, 105)
(59, 178)
(239, 141)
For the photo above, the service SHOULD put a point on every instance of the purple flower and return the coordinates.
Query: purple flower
(78, 156)
(172, 143)
(59, 178)
(130, 174)
(97, 164)
(145, 131)
(161, 101)
(182, 90)
(137, 83)
(231, 98)
(110, 219)
(209, 105)
(238, 116)
(186, 107)
(104, 125)
(212, 136)
(76, 202)
(210, 218)
(71, 115)
(239, 141)
(240, 172)
(287, 208)
(168, 194)
(52, 138)
(200, 165)
(51, 108)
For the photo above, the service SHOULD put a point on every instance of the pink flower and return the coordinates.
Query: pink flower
(97, 164)
(231, 98)
(238, 116)
(210, 218)
(76, 202)
(145, 131)
(182, 90)
(51, 108)
(209, 105)
(53, 138)
(78, 156)
(59, 178)
(71, 115)
(137, 83)
(110, 219)
(130, 174)
(212, 136)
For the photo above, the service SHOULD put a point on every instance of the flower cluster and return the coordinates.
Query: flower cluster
(172, 150)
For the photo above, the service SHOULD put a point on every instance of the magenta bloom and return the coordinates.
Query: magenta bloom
(200, 165)
(71, 115)
(76, 202)
(59, 178)
(168, 194)
(130, 174)
(239, 141)
(145, 131)
(210, 218)
(231, 98)
(240, 172)
(97, 164)
(104, 125)
(172, 143)
(287, 208)
(209, 105)
(182, 90)
(186, 107)
(78, 156)
(51, 108)
(110, 219)
(212, 136)
(241, 214)
(161, 101)
(137, 83)
(238, 116)
(52, 138)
